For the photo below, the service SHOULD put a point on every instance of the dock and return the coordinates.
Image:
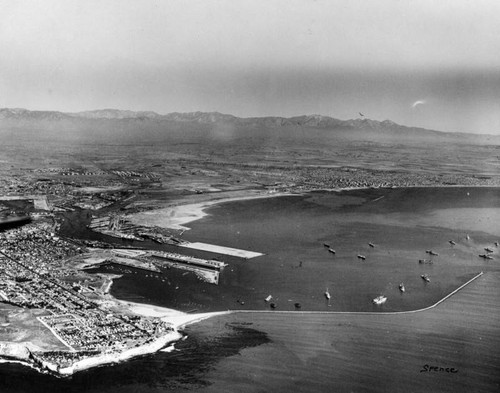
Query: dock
(186, 259)
(221, 250)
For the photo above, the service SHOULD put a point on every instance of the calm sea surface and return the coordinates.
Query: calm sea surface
(262, 352)
(297, 267)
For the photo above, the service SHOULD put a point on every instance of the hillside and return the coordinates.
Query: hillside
(150, 127)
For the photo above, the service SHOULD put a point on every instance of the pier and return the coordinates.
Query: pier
(185, 259)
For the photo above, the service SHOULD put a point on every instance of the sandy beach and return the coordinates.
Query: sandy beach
(178, 319)
(18, 352)
(184, 211)
(177, 215)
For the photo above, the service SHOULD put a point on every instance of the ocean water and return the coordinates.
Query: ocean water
(297, 268)
(184, 368)
(323, 352)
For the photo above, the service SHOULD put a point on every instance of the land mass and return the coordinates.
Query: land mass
(112, 176)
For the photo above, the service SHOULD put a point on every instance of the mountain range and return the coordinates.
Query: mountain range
(125, 123)
(317, 121)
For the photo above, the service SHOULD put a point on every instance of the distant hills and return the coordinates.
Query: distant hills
(317, 121)
(127, 124)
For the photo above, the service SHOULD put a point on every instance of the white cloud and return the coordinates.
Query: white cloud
(417, 103)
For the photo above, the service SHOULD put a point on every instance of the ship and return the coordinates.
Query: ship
(327, 294)
(331, 250)
(361, 257)
(267, 299)
(485, 256)
(425, 278)
(380, 300)
(402, 287)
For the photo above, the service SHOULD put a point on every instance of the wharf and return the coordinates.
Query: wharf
(211, 264)
(245, 254)
(150, 267)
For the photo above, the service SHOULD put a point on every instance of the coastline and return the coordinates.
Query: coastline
(111, 358)
(178, 319)
(177, 215)
(182, 212)
(20, 353)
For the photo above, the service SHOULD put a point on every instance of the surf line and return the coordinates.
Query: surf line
(362, 312)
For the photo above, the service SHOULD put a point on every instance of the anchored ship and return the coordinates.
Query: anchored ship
(380, 300)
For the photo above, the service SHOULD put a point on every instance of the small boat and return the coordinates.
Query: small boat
(402, 287)
(273, 305)
(297, 305)
(361, 257)
(485, 256)
(371, 245)
(327, 294)
(379, 300)
(326, 245)
(467, 237)
(426, 261)
(497, 244)
(452, 242)
(331, 250)
(267, 299)
(487, 249)
(425, 278)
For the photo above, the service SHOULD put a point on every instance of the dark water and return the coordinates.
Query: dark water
(184, 368)
(237, 354)
(297, 268)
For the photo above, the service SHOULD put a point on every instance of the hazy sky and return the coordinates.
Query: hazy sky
(258, 57)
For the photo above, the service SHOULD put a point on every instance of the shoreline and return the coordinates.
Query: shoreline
(182, 212)
(178, 214)
(177, 319)
(180, 319)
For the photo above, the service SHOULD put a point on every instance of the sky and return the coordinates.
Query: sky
(432, 64)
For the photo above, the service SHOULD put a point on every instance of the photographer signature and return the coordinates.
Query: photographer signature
(427, 369)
